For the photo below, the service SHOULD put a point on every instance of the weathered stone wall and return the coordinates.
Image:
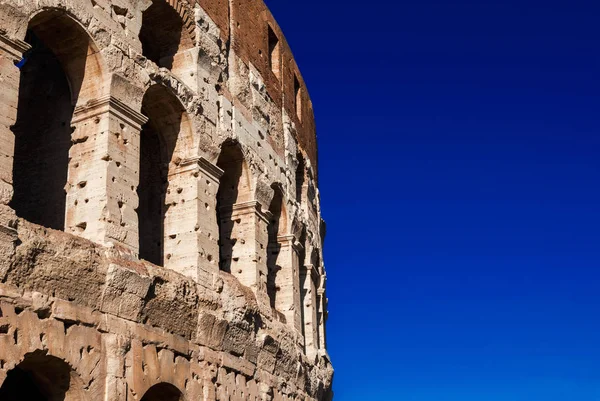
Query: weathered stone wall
(192, 147)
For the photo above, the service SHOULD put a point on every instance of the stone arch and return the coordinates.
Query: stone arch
(180, 89)
(75, 49)
(279, 222)
(62, 70)
(42, 377)
(168, 28)
(315, 257)
(300, 178)
(277, 227)
(235, 188)
(165, 143)
(163, 392)
(311, 192)
(308, 298)
(157, 370)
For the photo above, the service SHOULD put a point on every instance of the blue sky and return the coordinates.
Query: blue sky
(460, 181)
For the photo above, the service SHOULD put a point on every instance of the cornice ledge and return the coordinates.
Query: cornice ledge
(112, 105)
(205, 166)
(15, 47)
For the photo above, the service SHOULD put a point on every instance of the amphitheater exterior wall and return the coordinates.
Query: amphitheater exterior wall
(192, 111)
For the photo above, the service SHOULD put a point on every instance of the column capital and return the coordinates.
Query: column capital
(248, 208)
(309, 267)
(14, 47)
(112, 105)
(313, 271)
(286, 239)
(202, 165)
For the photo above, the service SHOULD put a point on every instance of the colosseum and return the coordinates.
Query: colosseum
(160, 225)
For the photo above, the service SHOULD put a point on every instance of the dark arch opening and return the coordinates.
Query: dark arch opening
(315, 260)
(300, 172)
(163, 392)
(163, 34)
(305, 286)
(275, 229)
(233, 181)
(159, 138)
(51, 78)
(38, 378)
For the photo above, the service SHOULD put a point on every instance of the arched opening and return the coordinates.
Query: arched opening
(61, 70)
(310, 193)
(163, 34)
(276, 228)
(300, 178)
(40, 378)
(315, 261)
(163, 392)
(307, 296)
(234, 188)
(163, 143)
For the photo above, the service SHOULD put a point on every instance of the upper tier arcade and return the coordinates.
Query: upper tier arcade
(160, 223)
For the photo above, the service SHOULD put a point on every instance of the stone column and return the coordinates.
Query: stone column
(308, 278)
(249, 251)
(11, 52)
(104, 173)
(191, 229)
(287, 281)
(114, 347)
(322, 315)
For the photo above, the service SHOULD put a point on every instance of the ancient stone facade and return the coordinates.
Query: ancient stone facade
(160, 229)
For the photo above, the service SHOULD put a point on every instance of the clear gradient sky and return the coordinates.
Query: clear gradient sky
(460, 182)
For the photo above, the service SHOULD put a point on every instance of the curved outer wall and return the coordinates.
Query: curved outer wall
(235, 307)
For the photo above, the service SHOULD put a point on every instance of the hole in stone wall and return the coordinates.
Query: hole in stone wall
(300, 178)
(43, 313)
(163, 34)
(4, 328)
(298, 97)
(274, 53)
(67, 324)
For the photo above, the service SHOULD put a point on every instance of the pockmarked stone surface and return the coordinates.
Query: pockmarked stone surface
(160, 225)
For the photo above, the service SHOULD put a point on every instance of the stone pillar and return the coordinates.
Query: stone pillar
(322, 315)
(114, 348)
(287, 281)
(191, 229)
(308, 278)
(11, 52)
(104, 173)
(249, 251)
